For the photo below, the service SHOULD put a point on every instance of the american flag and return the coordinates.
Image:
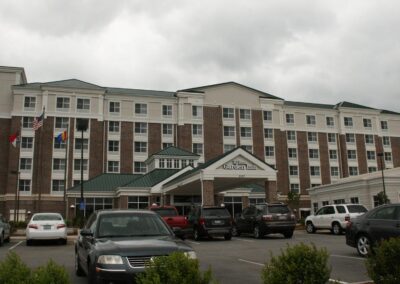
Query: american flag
(38, 122)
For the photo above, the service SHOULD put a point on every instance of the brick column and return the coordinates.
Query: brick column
(245, 201)
(208, 192)
(361, 154)
(395, 142)
(123, 202)
(270, 191)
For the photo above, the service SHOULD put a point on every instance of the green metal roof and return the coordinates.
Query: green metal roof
(70, 83)
(352, 105)
(174, 151)
(384, 111)
(105, 182)
(138, 92)
(313, 105)
(152, 178)
(255, 188)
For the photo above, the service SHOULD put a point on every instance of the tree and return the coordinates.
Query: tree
(293, 201)
(382, 198)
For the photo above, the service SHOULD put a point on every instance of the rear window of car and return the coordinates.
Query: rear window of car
(165, 211)
(47, 217)
(215, 212)
(356, 209)
(278, 209)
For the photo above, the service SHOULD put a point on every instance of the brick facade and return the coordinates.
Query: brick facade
(270, 190)
(12, 161)
(395, 142)
(282, 163)
(213, 130)
(258, 134)
(4, 155)
(154, 138)
(324, 158)
(208, 193)
(126, 150)
(361, 154)
(184, 134)
(70, 152)
(304, 165)
(96, 147)
(343, 156)
(379, 149)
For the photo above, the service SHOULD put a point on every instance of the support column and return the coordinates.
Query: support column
(208, 192)
(245, 201)
(270, 191)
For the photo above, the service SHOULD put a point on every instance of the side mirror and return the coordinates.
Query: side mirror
(86, 233)
(178, 232)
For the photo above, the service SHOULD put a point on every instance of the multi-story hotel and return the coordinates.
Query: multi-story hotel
(223, 143)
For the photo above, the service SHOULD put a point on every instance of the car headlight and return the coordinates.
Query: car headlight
(190, 254)
(110, 259)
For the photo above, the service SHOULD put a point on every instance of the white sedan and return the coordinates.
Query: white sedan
(46, 226)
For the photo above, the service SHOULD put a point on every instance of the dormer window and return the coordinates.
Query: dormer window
(29, 103)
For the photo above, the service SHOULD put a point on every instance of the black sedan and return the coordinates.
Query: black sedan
(367, 230)
(115, 245)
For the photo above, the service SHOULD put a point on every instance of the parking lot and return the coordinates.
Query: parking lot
(237, 261)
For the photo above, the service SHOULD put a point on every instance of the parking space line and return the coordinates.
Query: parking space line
(251, 262)
(196, 243)
(243, 240)
(350, 257)
(337, 281)
(14, 246)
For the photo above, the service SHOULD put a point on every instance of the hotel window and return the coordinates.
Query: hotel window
(290, 118)
(176, 164)
(367, 123)
(333, 154)
(314, 171)
(267, 115)
(254, 201)
(78, 144)
(245, 114)
(27, 122)
(369, 139)
(329, 121)
(324, 203)
(24, 185)
(386, 140)
(169, 163)
(315, 207)
(310, 119)
(140, 147)
(167, 129)
(334, 171)
(353, 171)
(313, 153)
(291, 135)
(293, 170)
(198, 148)
(197, 130)
(331, 137)
(58, 164)
(268, 133)
(245, 132)
(138, 202)
(354, 200)
(229, 131)
(26, 142)
(62, 122)
(113, 126)
(351, 154)
(269, 151)
(233, 204)
(197, 111)
(167, 110)
(339, 201)
(113, 166)
(384, 125)
(162, 163)
(113, 146)
(350, 138)
(140, 127)
(166, 145)
(312, 137)
(370, 155)
(388, 156)
(371, 169)
(228, 113)
(248, 148)
(228, 147)
(25, 164)
(57, 185)
(114, 107)
(141, 109)
(348, 121)
(29, 103)
(83, 104)
(292, 153)
(59, 144)
(62, 103)
(295, 188)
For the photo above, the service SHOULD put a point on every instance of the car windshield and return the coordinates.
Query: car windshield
(47, 217)
(131, 225)
(278, 209)
(165, 211)
(356, 209)
(215, 212)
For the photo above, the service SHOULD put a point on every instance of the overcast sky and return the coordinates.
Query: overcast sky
(313, 51)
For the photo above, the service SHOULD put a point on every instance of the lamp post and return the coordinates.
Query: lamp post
(82, 125)
(380, 155)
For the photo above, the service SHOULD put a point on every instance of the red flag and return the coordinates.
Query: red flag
(13, 138)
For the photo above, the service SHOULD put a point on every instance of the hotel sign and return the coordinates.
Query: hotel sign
(239, 165)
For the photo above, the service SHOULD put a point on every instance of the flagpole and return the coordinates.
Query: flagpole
(65, 173)
(16, 205)
(40, 162)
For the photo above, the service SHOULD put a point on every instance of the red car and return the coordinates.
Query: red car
(172, 217)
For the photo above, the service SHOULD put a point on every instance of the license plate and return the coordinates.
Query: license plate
(46, 227)
(282, 217)
(218, 222)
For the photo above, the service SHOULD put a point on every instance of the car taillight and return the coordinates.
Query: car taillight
(347, 218)
(202, 221)
(349, 224)
(267, 217)
(59, 226)
(33, 226)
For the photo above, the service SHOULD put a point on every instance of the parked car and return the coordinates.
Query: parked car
(5, 230)
(265, 218)
(115, 245)
(172, 218)
(333, 217)
(380, 223)
(46, 226)
(210, 221)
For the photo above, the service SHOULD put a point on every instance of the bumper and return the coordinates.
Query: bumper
(350, 239)
(46, 235)
(278, 227)
(218, 231)
(127, 276)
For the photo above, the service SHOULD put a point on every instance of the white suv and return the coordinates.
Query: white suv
(333, 217)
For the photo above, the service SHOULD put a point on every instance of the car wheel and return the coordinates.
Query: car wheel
(257, 233)
(336, 229)
(8, 239)
(78, 267)
(235, 231)
(310, 228)
(63, 241)
(228, 236)
(288, 235)
(196, 235)
(363, 245)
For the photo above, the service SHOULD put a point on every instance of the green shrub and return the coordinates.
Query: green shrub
(51, 273)
(14, 271)
(383, 265)
(174, 269)
(300, 264)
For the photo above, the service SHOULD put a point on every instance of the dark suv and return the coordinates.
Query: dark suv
(265, 218)
(209, 221)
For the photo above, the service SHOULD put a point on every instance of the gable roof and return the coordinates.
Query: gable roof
(384, 111)
(69, 83)
(174, 151)
(139, 92)
(200, 89)
(312, 105)
(152, 178)
(352, 105)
